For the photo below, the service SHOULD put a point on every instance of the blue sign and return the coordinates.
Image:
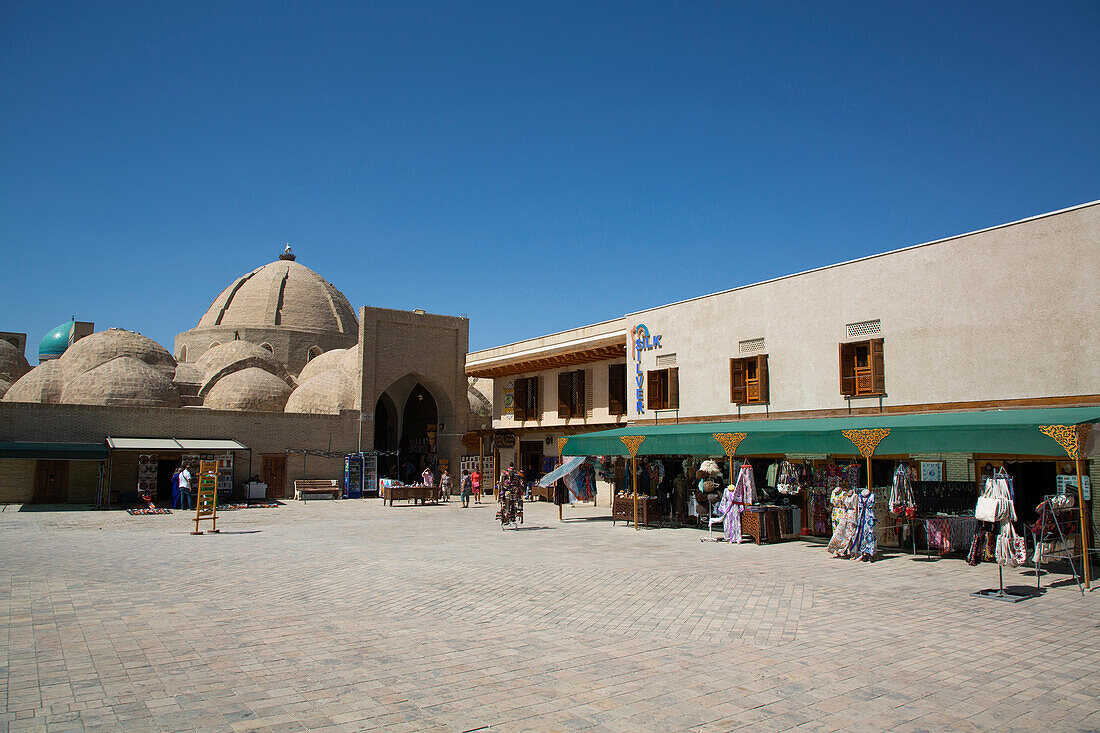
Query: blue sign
(641, 341)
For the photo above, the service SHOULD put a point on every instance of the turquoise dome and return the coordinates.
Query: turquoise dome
(54, 343)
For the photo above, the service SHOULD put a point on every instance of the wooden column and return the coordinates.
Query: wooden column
(1072, 439)
(632, 442)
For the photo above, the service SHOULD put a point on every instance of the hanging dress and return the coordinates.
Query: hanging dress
(864, 542)
(845, 529)
(730, 510)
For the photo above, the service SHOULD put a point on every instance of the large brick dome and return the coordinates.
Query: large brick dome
(283, 293)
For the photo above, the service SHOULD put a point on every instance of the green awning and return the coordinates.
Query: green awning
(54, 451)
(1014, 432)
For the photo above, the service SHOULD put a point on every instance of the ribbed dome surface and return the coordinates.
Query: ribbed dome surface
(283, 293)
(249, 389)
(103, 346)
(326, 394)
(123, 380)
(44, 383)
(13, 364)
(5, 385)
(231, 352)
(344, 360)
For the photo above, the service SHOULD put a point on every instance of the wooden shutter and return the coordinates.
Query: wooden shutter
(577, 406)
(565, 389)
(762, 375)
(674, 388)
(519, 400)
(616, 389)
(535, 392)
(847, 370)
(653, 385)
(878, 367)
(737, 381)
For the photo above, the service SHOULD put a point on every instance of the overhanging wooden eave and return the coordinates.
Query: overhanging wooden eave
(548, 361)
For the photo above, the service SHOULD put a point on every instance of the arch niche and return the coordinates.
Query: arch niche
(386, 435)
(419, 421)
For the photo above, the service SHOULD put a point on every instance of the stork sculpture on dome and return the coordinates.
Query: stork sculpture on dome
(287, 254)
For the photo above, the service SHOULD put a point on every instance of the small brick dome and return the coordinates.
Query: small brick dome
(103, 346)
(325, 394)
(249, 389)
(13, 364)
(123, 380)
(44, 383)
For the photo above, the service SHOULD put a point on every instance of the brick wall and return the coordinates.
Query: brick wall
(271, 433)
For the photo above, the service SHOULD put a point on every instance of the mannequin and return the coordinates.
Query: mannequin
(864, 542)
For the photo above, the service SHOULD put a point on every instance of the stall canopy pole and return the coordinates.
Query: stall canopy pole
(632, 442)
(1072, 438)
(561, 447)
(729, 442)
(867, 441)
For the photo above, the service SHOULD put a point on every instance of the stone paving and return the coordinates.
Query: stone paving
(348, 616)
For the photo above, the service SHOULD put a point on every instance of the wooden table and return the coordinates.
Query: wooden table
(422, 494)
(623, 508)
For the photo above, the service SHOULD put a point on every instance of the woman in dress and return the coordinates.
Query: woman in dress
(864, 543)
(845, 528)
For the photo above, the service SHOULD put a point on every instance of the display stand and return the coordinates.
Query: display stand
(999, 593)
(206, 501)
(1050, 530)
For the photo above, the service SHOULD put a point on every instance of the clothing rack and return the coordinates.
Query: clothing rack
(1047, 534)
(999, 593)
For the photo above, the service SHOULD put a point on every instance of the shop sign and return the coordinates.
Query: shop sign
(1068, 485)
(509, 394)
(504, 440)
(641, 341)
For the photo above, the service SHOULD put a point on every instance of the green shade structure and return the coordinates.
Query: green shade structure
(54, 343)
(1014, 432)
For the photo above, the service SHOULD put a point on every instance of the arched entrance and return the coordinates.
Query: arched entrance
(385, 435)
(418, 431)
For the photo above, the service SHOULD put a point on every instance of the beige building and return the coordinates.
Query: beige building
(999, 318)
(279, 362)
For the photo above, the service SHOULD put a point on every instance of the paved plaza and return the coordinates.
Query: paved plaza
(348, 616)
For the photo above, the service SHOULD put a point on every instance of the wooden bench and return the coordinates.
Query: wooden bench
(317, 487)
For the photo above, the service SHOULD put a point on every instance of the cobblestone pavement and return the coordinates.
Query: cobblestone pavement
(345, 616)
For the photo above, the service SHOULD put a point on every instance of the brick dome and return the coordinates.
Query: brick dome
(103, 346)
(13, 364)
(44, 383)
(283, 293)
(123, 380)
(225, 355)
(249, 389)
(326, 394)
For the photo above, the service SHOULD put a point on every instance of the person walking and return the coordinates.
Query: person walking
(185, 485)
(467, 487)
(445, 485)
(475, 482)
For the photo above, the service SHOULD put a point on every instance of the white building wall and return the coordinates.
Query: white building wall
(1004, 314)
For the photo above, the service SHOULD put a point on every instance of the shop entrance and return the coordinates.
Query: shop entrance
(418, 429)
(51, 482)
(273, 473)
(166, 467)
(530, 459)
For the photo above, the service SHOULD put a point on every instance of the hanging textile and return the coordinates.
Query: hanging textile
(770, 477)
(787, 482)
(734, 500)
(845, 527)
(864, 543)
(746, 484)
(901, 499)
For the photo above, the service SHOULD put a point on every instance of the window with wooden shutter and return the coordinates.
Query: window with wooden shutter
(565, 392)
(862, 369)
(847, 370)
(616, 389)
(576, 402)
(737, 381)
(762, 376)
(878, 367)
(519, 398)
(653, 390)
(673, 401)
(534, 398)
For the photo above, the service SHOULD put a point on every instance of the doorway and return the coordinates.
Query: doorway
(273, 473)
(51, 482)
(530, 453)
(418, 428)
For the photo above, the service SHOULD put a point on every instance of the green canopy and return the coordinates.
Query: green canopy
(1014, 432)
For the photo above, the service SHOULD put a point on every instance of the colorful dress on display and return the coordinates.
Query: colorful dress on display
(837, 498)
(863, 538)
(730, 510)
(846, 527)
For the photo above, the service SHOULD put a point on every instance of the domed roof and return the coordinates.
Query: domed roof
(231, 352)
(54, 343)
(249, 389)
(44, 383)
(123, 380)
(13, 364)
(283, 293)
(4, 387)
(103, 346)
(344, 360)
(326, 394)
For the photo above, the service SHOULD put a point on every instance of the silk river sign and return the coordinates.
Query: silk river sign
(641, 341)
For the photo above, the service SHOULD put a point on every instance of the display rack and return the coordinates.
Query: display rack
(1056, 525)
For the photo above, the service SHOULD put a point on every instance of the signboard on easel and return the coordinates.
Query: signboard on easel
(206, 499)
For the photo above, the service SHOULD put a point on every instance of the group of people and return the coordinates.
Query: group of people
(470, 485)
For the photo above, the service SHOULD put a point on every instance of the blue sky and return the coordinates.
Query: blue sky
(536, 166)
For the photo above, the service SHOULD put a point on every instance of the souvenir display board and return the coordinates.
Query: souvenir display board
(147, 475)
